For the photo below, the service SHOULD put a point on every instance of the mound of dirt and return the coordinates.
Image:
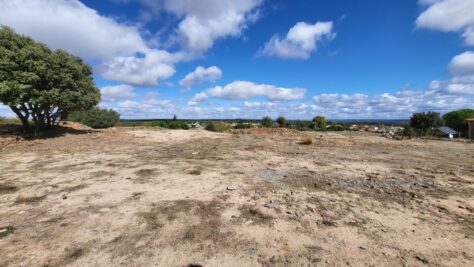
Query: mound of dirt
(269, 131)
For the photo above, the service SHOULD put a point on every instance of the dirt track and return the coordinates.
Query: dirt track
(174, 198)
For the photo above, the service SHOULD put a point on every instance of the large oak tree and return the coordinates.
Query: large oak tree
(42, 86)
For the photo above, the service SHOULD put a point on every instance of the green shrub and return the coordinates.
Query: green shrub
(9, 121)
(267, 122)
(96, 118)
(167, 124)
(243, 126)
(408, 131)
(282, 122)
(217, 126)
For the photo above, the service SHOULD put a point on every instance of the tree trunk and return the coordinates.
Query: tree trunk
(24, 119)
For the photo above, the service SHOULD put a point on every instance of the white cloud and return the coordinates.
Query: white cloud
(200, 76)
(449, 16)
(70, 25)
(239, 90)
(463, 63)
(112, 93)
(441, 97)
(207, 20)
(259, 104)
(300, 41)
(140, 71)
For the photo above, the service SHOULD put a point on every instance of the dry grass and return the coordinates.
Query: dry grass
(307, 140)
(29, 200)
(7, 188)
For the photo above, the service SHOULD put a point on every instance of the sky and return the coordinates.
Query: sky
(356, 59)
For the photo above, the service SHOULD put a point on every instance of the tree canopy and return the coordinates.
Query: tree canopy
(457, 119)
(281, 122)
(267, 122)
(425, 121)
(41, 85)
(320, 122)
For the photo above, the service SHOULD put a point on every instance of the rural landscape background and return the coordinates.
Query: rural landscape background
(236, 133)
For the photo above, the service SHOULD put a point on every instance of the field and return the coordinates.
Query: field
(153, 197)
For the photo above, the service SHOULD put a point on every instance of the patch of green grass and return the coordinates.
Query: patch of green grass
(9, 121)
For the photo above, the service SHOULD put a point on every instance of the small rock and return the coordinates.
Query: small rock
(363, 248)
(422, 259)
(64, 197)
(195, 153)
(269, 204)
(229, 188)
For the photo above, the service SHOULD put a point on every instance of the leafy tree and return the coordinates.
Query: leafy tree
(320, 122)
(457, 120)
(96, 118)
(425, 121)
(41, 85)
(267, 122)
(281, 122)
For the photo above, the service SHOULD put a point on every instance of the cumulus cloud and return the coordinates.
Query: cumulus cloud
(142, 70)
(113, 93)
(205, 21)
(239, 90)
(76, 28)
(72, 26)
(449, 16)
(438, 97)
(463, 63)
(200, 76)
(300, 41)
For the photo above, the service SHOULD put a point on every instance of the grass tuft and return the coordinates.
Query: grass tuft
(307, 140)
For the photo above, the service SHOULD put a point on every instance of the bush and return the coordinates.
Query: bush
(167, 124)
(96, 118)
(408, 131)
(267, 122)
(243, 126)
(217, 126)
(281, 122)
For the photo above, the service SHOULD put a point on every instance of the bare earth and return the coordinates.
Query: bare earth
(144, 197)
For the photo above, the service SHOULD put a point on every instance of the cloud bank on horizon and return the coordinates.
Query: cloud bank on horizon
(153, 59)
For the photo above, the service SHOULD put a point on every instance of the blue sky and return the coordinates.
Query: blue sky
(251, 58)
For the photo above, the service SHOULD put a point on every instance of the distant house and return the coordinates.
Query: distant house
(471, 128)
(446, 131)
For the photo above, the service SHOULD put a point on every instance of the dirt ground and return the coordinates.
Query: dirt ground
(151, 197)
